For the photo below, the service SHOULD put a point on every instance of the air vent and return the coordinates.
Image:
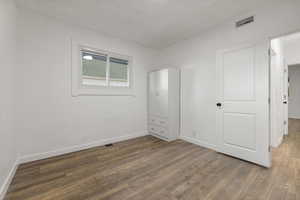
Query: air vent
(244, 21)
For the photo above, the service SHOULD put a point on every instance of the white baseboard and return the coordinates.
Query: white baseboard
(294, 117)
(40, 156)
(279, 141)
(8, 180)
(199, 142)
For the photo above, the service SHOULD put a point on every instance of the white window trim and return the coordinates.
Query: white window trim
(81, 90)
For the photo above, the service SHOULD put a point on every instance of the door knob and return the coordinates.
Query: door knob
(219, 104)
(285, 102)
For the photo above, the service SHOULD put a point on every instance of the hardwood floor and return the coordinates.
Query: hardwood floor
(147, 168)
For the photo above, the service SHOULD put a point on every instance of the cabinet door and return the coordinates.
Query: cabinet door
(158, 93)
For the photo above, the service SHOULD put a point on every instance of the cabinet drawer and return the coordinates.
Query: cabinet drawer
(158, 130)
(158, 121)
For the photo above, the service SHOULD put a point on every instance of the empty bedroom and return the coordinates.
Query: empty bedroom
(149, 100)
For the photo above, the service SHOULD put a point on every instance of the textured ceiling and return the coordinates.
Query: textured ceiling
(152, 23)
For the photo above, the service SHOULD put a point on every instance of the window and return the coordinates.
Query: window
(107, 70)
(94, 68)
(118, 72)
(98, 72)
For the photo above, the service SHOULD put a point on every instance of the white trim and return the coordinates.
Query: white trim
(180, 103)
(160, 137)
(39, 156)
(294, 117)
(8, 180)
(199, 142)
(278, 142)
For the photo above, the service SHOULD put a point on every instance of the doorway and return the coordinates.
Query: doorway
(284, 87)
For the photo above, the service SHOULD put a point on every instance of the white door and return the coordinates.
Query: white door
(242, 103)
(285, 99)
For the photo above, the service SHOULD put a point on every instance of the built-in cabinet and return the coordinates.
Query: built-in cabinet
(164, 103)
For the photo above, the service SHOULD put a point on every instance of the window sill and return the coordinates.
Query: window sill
(103, 92)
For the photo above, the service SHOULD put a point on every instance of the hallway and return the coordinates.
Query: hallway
(286, 165)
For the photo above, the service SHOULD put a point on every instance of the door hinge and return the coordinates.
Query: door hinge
(285, 122)
(269, 100)
(270, 148)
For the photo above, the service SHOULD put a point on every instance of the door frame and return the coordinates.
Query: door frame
(286, 97)
(276, 93)
(286, 65)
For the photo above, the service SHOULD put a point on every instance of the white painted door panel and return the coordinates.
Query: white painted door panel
(241, 87)
(158, 93)
(242, 135)
(243, 91)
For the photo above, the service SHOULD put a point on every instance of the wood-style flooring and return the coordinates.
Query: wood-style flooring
(147, 168)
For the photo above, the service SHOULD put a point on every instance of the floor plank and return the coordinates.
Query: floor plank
(147, 168)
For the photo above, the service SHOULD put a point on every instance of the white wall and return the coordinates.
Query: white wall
(51, 121)
(197, 58)
(7, 57)
(294, 98)
(292, 51)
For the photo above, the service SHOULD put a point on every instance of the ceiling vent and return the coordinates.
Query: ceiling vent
(245, 21)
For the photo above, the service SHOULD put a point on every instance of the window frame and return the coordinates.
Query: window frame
(81, 63)
(79, 89)
(109, 71)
